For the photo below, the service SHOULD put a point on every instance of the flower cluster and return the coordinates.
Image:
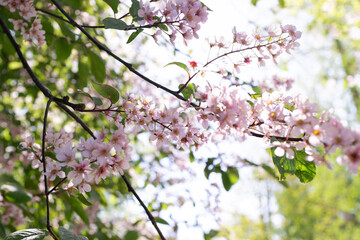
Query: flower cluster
(89, 161)
(303, 126)
(180, 16)
(167, 125)
(276, 83)
(33, 34)
(13, 213)
(258, 47)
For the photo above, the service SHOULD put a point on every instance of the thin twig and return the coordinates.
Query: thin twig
(48, 226)
(58, 184)
(224, 55)
(148, 213)
(37, 82)
(63, 19)
(291, 139)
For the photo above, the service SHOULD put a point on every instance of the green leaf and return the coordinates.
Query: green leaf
(82, 199)
(289, 107)
(305, 170)
(14, 193)
(256, 89)
(163, 27)
(131, 235)
(254, 96)
(28, 234)
(107, 91)
(134, 35)
(2, 230)
(97, 101)
(113, 23)
(254, 2)
(76, 206)
(160, 220)
(251, 103)
(188, 90)
(66, 30)
(211, 234)
(207, 8)
(180, 64)
(62, 49)
(284, 165)
(67, 235)
(282, 3)
(192, 158)
(271, 171)
(135, 6)
(209, 167)
(226, 180)
(97, 66)
(233, 175)
(83, 75)
(113, 4)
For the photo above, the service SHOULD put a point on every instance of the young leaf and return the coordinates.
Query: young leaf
(107, 91)
(97, 66)
(134, 35)
(192, 158)
(256, 89)
(305, 170)
(188, 90)
(113, 4)
(180, 64)
(135, 6)
(233, 175)
(254, 2)
(163, 27)
(76, 206)
(97, 101)
(211, 234)
(83, 199)
(67, 235)
(131, 235)
(284, 165)
(83, 75)
(62, 49)
(226, 180)
(282, 3)
(160, 220)
(113, 23)
(28, 234)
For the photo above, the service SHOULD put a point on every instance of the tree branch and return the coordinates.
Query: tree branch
(63, 19)
(291, 139)
(48, 226)
(148, 213)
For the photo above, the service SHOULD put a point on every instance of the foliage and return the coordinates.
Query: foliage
(325, 209)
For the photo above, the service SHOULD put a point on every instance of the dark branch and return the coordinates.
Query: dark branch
(290, 139)
(148, 213)
(63, 19)
(58, 184)
(48, 226)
